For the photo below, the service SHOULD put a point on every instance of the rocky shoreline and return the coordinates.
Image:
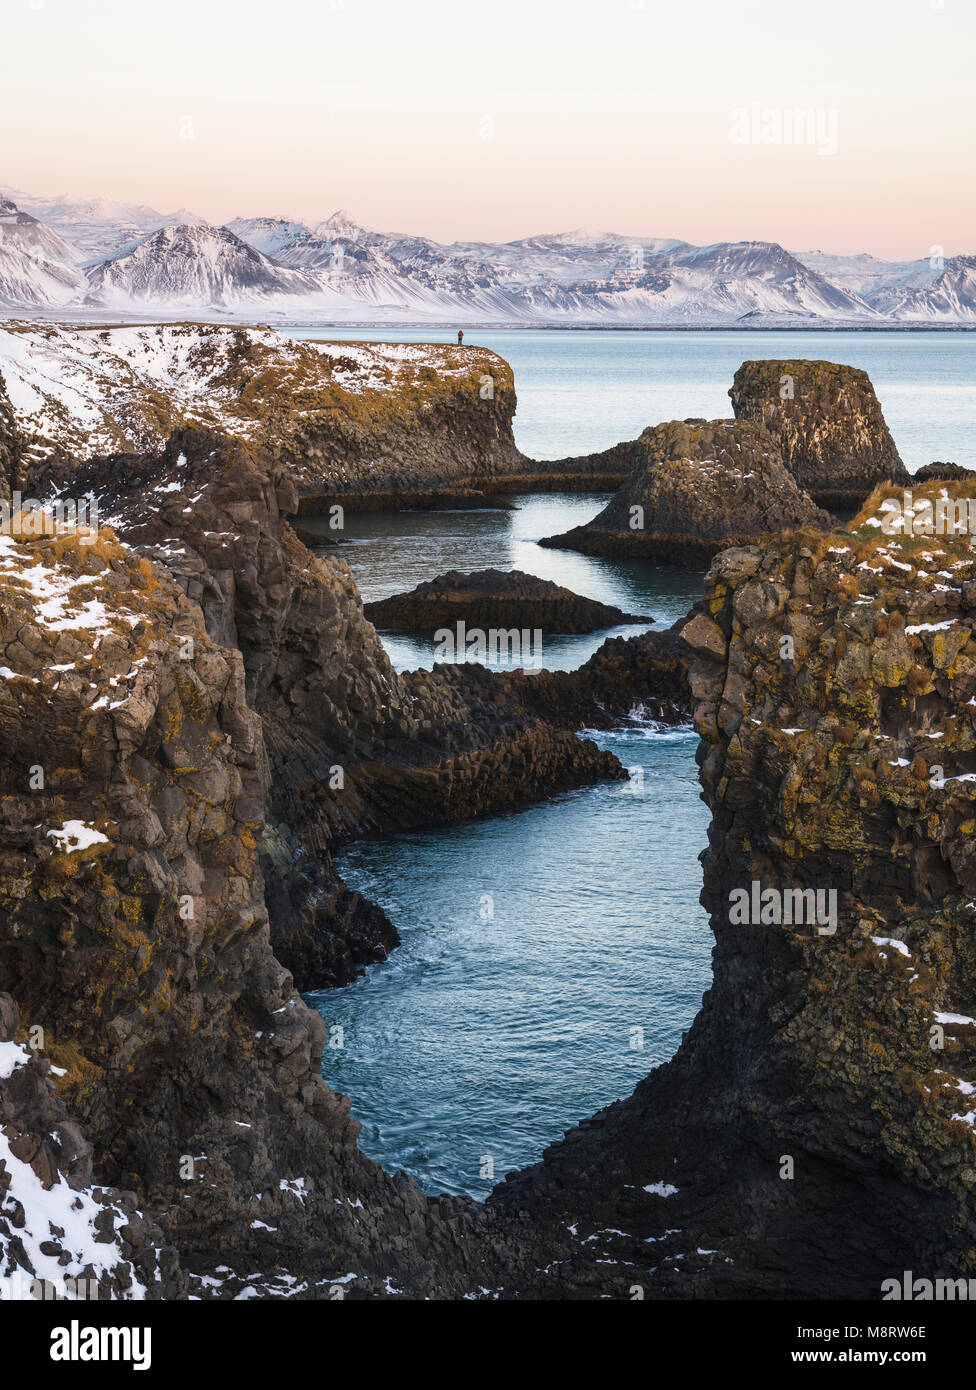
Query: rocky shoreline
(361, 426)
(195, 713)
(813, 1136)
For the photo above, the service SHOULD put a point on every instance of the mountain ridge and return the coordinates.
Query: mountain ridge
(75, 253)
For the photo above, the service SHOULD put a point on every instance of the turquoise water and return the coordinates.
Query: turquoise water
(392, 551)
(536, 943)
(583, 390)
(550, 958)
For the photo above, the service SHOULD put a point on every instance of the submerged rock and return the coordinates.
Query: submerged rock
(698, 487)
(495, 598)
(829, 425)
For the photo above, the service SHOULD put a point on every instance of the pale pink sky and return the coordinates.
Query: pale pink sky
(458, 119)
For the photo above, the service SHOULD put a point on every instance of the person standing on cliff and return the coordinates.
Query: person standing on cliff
(460, 336)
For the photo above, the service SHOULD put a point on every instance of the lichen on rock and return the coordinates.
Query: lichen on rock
(829, 425)
(698, 486)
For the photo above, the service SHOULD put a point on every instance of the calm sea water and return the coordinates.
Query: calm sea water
(579, 391)
(392, 551)
(552, 956)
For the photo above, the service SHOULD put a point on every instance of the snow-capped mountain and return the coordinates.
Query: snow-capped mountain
(190, 266)
(37, 266)
(97, 253)
(946, 294)
(342, 224)
(269, 235)
(585, 275)
(19, 229)
(97, 226)
(863, 275)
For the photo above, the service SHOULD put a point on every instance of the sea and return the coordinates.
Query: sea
(552, 956)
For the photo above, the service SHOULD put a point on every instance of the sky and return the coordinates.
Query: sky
(493, 121)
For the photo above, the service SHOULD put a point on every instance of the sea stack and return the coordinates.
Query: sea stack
(829, 425)
(697, 487)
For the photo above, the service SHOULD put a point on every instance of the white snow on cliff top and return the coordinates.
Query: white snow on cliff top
(76, 835)
(375, 361)
(87, 388)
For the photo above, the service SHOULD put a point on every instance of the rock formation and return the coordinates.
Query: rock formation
(698, 487)
(351, 747)
(358, 425)
(943, 471)
(829, 425)
(628, 678)
(495, 599)
(814, 1134)
(134, 928)
(176, 698)
(104, 1246)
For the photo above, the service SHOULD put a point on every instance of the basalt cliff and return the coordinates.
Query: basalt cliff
(696, 487)
(814, 1135)
(355, 425)
(829, 425)
(806, 436)
(194, 712)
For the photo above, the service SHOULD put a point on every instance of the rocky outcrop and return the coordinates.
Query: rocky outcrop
(135, 946)
(637, 679)
(193, 716)
(605, 469)
(60, 1234)
(829, 425)
(173, 710)
(350, 746)
(11, 445)
(814, 1135)
(357, 425)
(951, 471)
(698, 487)
(133, 932)
(495, 599)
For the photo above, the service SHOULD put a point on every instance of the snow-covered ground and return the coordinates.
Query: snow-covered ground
(125, 387)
